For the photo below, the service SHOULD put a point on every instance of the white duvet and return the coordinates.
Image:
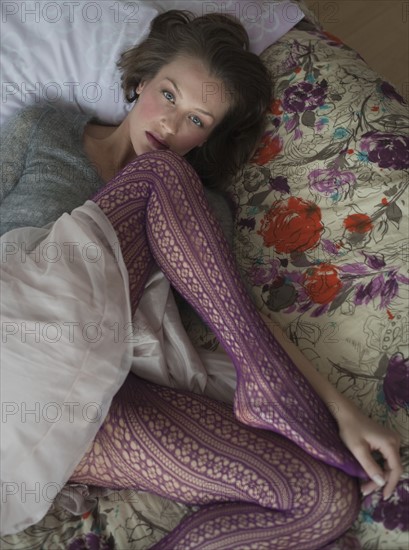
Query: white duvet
(68, 343)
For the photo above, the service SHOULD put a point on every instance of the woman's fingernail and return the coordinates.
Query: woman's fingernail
(367, 492)
(379, 480)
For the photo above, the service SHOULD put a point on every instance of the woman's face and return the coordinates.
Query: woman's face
(178, 108)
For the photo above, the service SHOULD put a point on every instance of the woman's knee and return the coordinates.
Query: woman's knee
(163, 163)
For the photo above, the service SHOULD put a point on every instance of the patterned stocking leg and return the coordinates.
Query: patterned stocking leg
(255, 486)
(159, 212)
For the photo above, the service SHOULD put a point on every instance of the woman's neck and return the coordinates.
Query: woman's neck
(108, 148)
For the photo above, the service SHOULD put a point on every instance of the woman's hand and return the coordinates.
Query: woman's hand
(363, 436)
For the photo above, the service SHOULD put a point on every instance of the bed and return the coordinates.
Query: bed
(335, 155)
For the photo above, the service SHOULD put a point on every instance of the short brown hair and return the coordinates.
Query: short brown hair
(222, 44)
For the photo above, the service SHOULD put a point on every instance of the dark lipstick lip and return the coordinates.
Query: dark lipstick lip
(156, 142)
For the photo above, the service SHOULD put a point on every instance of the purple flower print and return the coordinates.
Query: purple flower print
(305, 96)
(263, 274)
(91, 541)
(375, 261)
(396, 382)
(378, 287)
(394, 513)
(387, 150)
(389, 291)
(280, 184)
(330, 182)
(367, 292)
(389, 91)
(329, 247)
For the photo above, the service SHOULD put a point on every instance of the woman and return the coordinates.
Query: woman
(291, 482)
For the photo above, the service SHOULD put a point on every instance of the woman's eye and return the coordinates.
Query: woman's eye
(168, 95)
(196, 120)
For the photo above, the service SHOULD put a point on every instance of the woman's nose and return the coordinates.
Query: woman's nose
(171, 123)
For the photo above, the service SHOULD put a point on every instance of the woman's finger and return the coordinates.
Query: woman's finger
(389, 478)
(364, 456)
(394, 466)
(368, 487)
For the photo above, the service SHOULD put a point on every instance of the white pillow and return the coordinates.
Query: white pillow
(65, 53)
(264, 21)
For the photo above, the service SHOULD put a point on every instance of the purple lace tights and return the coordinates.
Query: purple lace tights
(256, 485)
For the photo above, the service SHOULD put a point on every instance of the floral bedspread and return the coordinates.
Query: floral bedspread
(321, 235)
(121, 520)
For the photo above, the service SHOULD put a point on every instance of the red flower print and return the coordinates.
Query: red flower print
(292, 225)
(358, 223)
(269, 148)
(322, 283)
(276, 107)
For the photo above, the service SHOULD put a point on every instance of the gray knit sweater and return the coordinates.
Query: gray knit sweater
(45, 171)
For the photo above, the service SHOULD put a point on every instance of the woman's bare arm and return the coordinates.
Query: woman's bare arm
(360, 434)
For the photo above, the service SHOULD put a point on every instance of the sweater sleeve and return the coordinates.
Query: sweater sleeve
(15, 138)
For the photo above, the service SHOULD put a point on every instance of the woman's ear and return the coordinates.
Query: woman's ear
(140, 86)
